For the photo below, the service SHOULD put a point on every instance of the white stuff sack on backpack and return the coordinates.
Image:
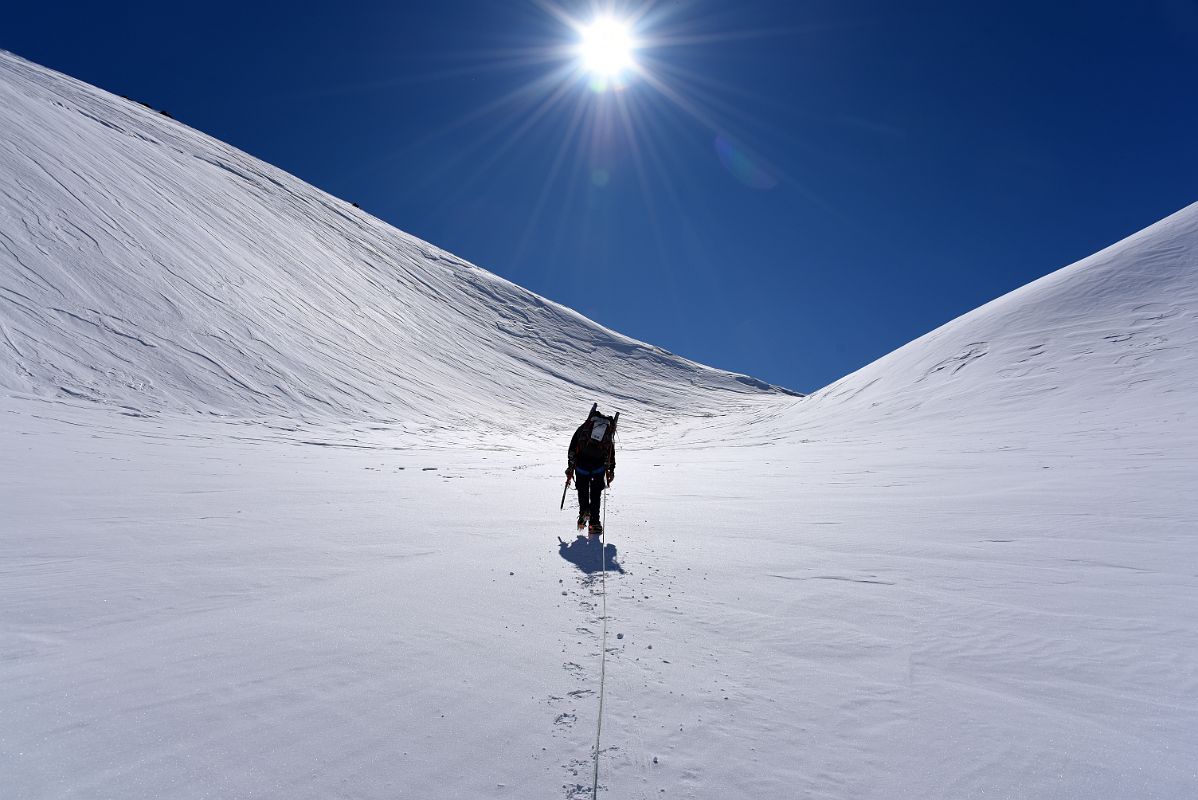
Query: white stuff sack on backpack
(599, 430)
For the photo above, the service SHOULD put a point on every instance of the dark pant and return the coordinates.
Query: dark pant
(590, 494)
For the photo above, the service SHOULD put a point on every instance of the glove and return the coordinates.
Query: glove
(611, 476)
(569, 474)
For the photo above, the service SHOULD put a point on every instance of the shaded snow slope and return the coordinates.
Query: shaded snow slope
(147, 266)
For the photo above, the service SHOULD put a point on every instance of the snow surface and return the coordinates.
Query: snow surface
(153, 268)
(280, 491)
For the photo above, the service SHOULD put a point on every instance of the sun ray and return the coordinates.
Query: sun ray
(626, 117)
(640, 103)
(509, 139)
(544, 86)
(559, 159)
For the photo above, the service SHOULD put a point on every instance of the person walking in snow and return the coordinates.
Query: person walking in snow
(591, 460)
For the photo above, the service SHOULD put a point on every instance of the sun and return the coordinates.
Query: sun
(606, 49)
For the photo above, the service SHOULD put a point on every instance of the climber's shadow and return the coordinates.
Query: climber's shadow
(589, 555)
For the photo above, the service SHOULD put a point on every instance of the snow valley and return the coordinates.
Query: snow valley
(280, 490)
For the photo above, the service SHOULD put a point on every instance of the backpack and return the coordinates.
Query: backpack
(596, 440)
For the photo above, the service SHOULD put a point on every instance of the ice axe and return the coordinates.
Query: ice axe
(564, 490)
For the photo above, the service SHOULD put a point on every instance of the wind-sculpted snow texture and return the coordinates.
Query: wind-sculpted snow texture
(250, 547)
(1108, 341)
(146, 266)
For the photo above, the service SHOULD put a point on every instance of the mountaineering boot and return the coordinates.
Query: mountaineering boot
(582, 521)
(596, 528)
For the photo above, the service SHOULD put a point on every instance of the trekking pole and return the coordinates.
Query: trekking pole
(565, 489)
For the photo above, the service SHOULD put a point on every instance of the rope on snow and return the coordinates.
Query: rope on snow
(603, 644)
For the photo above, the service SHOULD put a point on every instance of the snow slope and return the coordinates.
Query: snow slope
(149, 267)
(1109, 340)
(243, 557)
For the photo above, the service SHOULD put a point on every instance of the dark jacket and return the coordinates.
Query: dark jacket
(578, 459)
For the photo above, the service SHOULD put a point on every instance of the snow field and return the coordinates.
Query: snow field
(280, 491)
(207, 612)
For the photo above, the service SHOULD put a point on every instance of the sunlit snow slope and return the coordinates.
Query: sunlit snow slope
(1110, 340)
(147, 266)
(1104, 348)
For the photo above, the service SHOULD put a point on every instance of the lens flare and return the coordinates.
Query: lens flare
(744, 165)
(624, 133)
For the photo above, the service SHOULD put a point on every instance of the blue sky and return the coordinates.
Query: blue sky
(792, 189)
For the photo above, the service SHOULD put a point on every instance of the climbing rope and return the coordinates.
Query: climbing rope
(603, 644)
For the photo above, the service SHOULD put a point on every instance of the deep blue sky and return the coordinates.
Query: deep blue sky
(926, 156)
